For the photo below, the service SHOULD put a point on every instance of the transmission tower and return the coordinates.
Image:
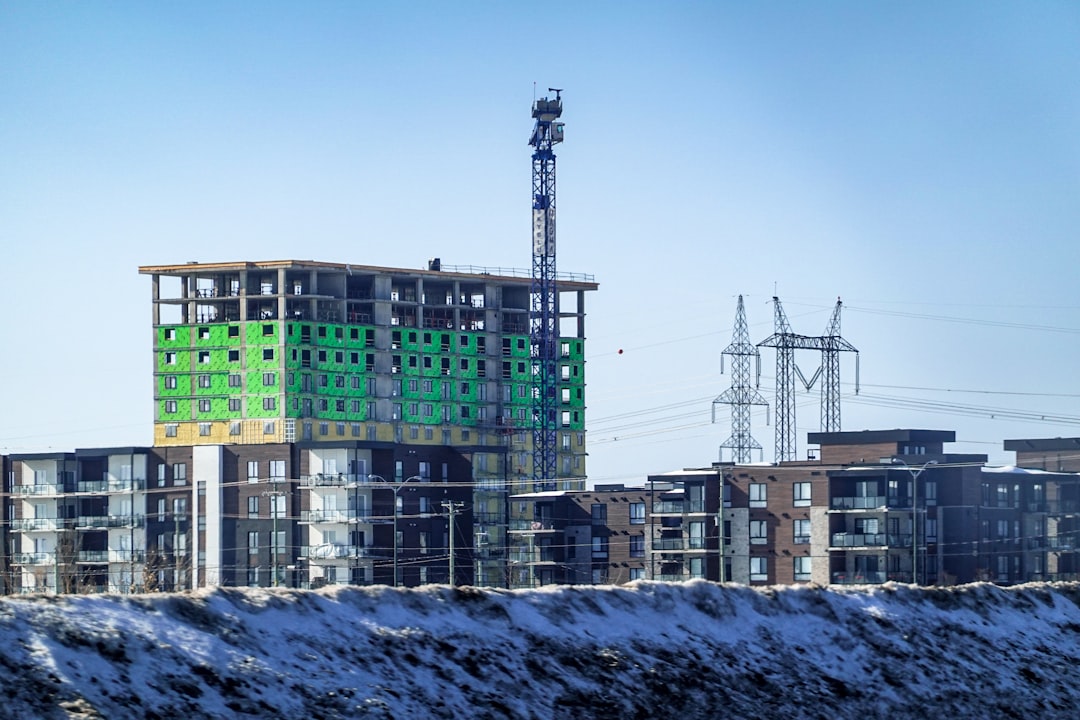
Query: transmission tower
(544, 310)
(741, 396)
(831, 347)
(786, 343)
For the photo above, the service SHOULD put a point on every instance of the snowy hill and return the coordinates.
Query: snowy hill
(650, 650)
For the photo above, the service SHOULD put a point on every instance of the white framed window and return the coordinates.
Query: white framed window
(759, 532)
(802, 569)
(801, 494)
(759, 495)
(802, 532)
(759, 569)
(277, 469)
(170, 358)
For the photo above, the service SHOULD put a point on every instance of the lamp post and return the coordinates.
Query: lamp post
(915, 473)
(396, 487)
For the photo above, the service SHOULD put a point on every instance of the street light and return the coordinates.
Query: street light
(396, 487)
(915, 473)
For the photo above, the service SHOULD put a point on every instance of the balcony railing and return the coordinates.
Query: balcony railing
(338, 517)
(1055, 506)
(693, 543)
(111, 485)
(334, 551)
(42, 489)
(669, 507)
(334, 480)
(489, 518)
(857, 502)
(34, 559)
(93, 556)
(672, 578)
(32, 524)
(518, 525)
(85, 522)
(869, 540)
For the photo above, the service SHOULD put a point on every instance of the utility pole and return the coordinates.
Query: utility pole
(452, 508)
(273, 535)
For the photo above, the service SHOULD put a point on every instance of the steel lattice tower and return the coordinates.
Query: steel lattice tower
(544, 305)
(741, 396)
(832, 346)
(785, 343)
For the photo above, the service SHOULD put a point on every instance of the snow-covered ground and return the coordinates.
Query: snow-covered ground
(649, 650)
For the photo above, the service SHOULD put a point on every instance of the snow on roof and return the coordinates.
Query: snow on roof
(1013, 470)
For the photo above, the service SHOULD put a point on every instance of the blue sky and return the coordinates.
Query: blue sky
(919, 160)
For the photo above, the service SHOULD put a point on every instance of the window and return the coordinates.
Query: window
(802, 569)
(204, 357)
(161, 511)
(235, 381)
(170, 429)
(268, 427)
(637, 573)
(268, 353)
(269, 379)
(277, 506)
(253, 471)
(204, 429)
(170, 358)
(234, 404)
(269, 403)
(204, 406)
(170, 334)
(930, 492)
(234, 356)
(253, 507)
(179, 507)
(727, 495)
(170, 382)
(170, 407)
(802, 532)
(801, 492)
(599, 514)
(637, 546)
(759, 569)
(637, 513)
(234, 331)
(277, 469)
(599, 547)
(253, 542)
(234, 428)
(759, 532)
(758, 495)
(161, 475)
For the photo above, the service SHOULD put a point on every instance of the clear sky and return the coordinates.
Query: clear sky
(921, 160)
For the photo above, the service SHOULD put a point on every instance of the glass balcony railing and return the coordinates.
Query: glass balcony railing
(33, 524)
(873, 577)
(870, 502)
(869, 540)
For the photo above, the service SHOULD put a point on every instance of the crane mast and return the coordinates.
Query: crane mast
(544, 298)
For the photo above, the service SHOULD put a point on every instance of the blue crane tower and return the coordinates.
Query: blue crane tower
(544, 296)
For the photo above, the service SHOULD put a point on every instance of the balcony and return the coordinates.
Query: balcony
(857, 503)
(110, 485)
(335, 551)
(489, 518)
(331, 480)
(670, 544)
(847, 540)
(33, 524)
(519, 525)
(668, 507)
(104, 522)
(34, 559)
(1055, 507)
(93, 556)
(42, 489)
(341, 517)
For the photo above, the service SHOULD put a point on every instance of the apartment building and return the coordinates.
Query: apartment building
(593, 537)
(287, 514)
